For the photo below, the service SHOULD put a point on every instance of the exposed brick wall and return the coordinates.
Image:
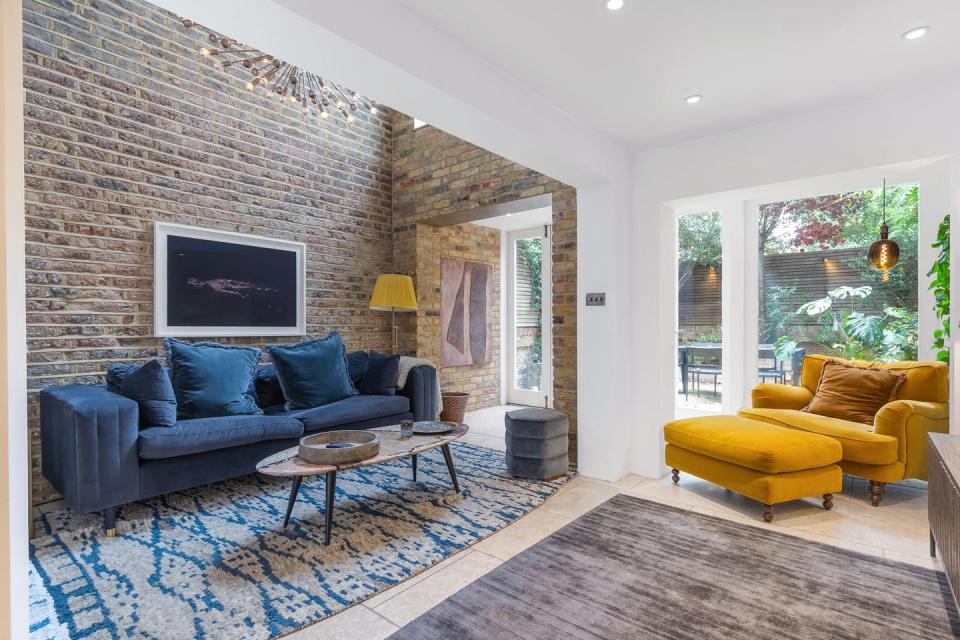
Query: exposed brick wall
(474, 244)
(127, 124)
(436, 173)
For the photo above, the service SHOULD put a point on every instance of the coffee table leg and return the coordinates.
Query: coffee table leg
(453, 472)
(414, 460)
(331, 492)
(297, 481)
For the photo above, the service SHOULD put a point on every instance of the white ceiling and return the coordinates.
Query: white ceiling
(625, 73)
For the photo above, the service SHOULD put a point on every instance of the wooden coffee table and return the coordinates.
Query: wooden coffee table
(287, 464)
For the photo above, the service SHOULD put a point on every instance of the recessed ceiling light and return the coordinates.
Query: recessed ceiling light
(614, 5)
(916, 33)
(694, 99)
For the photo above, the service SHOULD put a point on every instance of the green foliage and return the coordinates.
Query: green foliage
(940, 285)
(853, 334)
(530, 251)
(699, 239)
(778, 315)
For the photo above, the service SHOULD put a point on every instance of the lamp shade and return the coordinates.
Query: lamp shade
(393, 292)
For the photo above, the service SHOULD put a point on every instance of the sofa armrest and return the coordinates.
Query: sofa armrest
(780, 396)
(88, 440)
(910, 421)
(421, 389)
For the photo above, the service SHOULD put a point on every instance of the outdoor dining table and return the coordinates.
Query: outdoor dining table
(687, 358)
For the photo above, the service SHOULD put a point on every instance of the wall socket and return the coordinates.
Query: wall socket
(596, 299)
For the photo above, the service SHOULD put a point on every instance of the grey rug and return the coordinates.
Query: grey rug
(637, 569)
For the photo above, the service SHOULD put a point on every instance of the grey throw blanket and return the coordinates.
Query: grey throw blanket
(407, 363)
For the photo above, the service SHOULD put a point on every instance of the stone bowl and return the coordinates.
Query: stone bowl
(350, 447)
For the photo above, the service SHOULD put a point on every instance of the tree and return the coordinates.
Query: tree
(699, 243)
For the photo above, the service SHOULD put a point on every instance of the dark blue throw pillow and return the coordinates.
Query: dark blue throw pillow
(212, 379)
(357, 364)
(269, 392)
(150, 386)
(115, 375)
(380, 378)
(313, 373)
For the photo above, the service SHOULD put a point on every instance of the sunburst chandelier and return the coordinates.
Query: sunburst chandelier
(316, 95)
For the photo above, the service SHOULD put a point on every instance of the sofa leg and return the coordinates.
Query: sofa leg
(676, 476)
(768, 513)
(876, 490)
(110, 522)
(828, 501)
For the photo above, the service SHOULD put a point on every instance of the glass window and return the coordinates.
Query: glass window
(818, 294)
(699, 312)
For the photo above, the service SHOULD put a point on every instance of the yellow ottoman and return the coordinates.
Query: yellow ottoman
(762, 461)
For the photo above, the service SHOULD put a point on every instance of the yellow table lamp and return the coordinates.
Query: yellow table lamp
(393, 292)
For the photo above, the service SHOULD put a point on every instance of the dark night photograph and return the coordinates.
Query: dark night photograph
(221, 284)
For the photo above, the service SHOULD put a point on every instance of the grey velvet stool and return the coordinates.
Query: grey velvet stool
(536, 443)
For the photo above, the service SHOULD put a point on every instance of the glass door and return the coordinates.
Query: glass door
(699, 329)
(529, 337)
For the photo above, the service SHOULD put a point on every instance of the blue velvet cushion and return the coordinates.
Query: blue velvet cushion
(313, 373)
(115, 375)
(344, 414)
(212, 379)
(150, 386)
(267, 386)
(357, 364)
(209, 434)
(380, 378)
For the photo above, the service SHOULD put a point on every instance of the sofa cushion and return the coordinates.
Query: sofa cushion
(343, 413)
(859, 442)
(212, 379)
(357, 365)
(380, 378)
(752, 444)
(209, 434)
(116, 373)
(313, 373)
(150, 386)
(267, 386)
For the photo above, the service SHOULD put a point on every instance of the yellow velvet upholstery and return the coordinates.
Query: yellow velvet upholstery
(895, 447)
(764, 487)
(751, 444)
(859, 442)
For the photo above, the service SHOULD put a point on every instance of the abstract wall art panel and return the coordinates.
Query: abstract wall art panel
(216, 283)
(466, 304)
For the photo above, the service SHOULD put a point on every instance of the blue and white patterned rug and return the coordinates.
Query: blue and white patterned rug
(214, 562)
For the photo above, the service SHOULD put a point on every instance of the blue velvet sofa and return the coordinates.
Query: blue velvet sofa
(97, 455)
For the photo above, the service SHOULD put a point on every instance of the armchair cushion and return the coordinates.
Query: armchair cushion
(859, 442)
(853, 393)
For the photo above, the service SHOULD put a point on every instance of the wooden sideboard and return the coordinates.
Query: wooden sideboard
(943, 507)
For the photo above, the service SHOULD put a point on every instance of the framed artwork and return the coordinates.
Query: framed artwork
(218, 283)
(466, 305)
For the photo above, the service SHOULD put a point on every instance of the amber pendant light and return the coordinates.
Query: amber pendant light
(884, 253)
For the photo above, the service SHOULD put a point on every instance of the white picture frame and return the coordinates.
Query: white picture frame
(162, 328)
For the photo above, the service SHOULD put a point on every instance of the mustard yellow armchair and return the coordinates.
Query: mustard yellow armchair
(894, 447)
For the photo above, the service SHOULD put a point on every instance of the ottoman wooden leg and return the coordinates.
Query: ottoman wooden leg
(828, 501)
(876, 490)
(768, 513)
(676, 476)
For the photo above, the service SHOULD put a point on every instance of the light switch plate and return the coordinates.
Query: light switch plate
(596, 299)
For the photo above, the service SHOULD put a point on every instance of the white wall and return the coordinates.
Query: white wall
(913, 136)
(14, 455)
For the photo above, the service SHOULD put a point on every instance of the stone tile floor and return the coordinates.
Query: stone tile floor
(896, 530)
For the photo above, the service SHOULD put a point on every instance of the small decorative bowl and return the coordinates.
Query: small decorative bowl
(362, 445)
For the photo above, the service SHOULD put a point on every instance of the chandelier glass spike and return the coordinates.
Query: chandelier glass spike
(315, 94)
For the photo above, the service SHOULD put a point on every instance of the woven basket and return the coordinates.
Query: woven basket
(454, 406)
